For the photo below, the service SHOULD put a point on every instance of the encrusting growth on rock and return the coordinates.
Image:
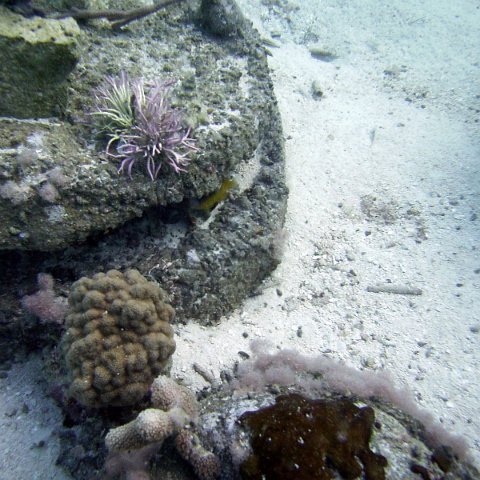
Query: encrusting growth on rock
(303, 439)
(175, 408)
(118, 338)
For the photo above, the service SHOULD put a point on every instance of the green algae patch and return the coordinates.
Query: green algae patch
(303, 439)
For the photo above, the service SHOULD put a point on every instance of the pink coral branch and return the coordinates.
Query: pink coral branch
(44, 304)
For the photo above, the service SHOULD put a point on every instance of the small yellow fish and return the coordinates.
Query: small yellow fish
(210, 202)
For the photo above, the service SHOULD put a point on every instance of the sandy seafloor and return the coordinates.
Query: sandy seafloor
(384, 179)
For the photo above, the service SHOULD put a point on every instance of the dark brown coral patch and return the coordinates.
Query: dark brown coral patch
(303, 439)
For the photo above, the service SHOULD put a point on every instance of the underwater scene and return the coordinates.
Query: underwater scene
(239, 240)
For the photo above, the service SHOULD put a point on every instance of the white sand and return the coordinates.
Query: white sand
(418, 158)
(416, 165)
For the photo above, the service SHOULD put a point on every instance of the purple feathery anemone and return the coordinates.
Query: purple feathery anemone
(156, 134)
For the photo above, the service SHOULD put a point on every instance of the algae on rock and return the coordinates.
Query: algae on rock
(37, 55)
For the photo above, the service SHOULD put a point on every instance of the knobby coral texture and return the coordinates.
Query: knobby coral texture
(118, 338)
(142, 126)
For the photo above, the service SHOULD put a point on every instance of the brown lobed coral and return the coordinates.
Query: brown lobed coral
(118, 337)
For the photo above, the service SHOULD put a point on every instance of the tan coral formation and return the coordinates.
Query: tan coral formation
(204, 463)
(175, 408)
(168, 394)
(151, 426)
(118, 337)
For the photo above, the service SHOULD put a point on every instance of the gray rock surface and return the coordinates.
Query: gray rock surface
(208, 261)
(37, 55)
(397, 436)
(220, 89)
